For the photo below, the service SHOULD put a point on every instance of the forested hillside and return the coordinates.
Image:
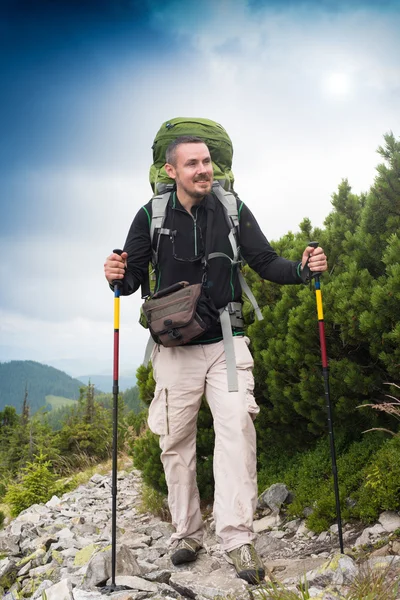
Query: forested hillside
(35, 449)
(18, 376)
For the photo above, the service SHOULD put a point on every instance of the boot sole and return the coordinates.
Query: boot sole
(183, 556)
(253, 577)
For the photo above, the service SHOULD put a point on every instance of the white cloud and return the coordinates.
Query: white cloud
(261, 75)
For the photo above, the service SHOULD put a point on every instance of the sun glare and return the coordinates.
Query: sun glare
(337, 84)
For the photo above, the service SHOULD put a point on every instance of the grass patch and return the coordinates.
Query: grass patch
(374, 584)
(153, 501)
(70, 483)
(59, 401)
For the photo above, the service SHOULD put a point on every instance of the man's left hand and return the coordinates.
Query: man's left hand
(317, 261)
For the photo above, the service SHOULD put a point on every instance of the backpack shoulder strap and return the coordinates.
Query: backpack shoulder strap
(229, 202)
(159, 209)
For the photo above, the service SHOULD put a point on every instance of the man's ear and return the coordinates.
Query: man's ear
(170, 170)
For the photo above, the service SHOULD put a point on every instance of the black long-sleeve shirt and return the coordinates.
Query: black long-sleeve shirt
(189, 241)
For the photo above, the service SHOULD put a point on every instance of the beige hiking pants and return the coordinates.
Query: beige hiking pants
(183, 374)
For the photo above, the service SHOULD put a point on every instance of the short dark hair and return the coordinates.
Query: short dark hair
(170, 154)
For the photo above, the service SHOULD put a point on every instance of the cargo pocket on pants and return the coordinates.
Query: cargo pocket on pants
(244, 361)
(252, 407)
(158, 412)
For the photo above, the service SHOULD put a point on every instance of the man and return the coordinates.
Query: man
(184, 373)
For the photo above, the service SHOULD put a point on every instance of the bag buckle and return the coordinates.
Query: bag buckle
(235, 313)
(174, 334)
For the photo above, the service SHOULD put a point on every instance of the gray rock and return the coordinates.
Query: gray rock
(266, 523)
(53, 502)
(135, 583)
(60, 591)
(273, 498)
(166, 590)
(162, 576)
(7, 565)
(292, 525)
(266, 544)
(291, 571)
(216, 584)
(97, 478)
(25, 569)
(389, 520)
(383, 562)
(99, 567)
(42, 587)
(339, 570)
(9, 544)
(362, 539)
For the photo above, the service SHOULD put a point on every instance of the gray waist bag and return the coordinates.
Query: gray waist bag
(179, 314)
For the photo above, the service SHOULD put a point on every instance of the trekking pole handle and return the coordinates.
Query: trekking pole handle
(117, 282)
(316, 275)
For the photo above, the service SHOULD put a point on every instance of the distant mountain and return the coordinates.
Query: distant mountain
(104, 382)
(40, 381)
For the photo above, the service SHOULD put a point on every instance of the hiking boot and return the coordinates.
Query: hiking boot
(247, 563)
(185, 551)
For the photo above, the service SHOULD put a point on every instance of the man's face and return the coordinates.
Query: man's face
(193, 171)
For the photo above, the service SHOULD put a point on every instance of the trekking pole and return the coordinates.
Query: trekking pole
(325, 372)
(113, 587)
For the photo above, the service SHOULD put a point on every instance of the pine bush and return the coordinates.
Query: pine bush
(37, 485)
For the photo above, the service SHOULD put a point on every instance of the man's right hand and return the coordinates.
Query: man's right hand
(114, 267)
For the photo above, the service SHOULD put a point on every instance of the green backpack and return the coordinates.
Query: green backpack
(213, 134)
(221, 150)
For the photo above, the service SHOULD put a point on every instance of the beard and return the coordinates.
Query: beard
(197, 195)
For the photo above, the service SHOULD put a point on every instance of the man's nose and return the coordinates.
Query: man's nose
(203, 168)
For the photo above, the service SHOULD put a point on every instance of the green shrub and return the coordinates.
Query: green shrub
(309, 477)
(37, 485)
(305, 476)
(137, 421)
(2, 518)
(3, 489)
(350, 467)
(154, 502)
(381, 482)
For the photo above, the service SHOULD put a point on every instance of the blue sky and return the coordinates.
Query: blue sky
(306, 91)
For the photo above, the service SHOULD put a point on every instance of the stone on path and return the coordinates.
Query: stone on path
(99, 567)
(389, 520)
(274, 497)
(217, 584)
(60, 591)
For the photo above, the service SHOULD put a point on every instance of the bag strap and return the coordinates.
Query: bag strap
(228, 200)
(159, 211)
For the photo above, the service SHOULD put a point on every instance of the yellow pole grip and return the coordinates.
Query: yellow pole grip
(116, 312)
(319, 305)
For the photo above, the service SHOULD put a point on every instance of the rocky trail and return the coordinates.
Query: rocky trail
(61, 551)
